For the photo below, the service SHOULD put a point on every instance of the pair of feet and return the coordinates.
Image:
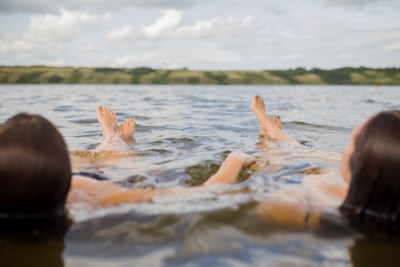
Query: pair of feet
(108, 121)
(258, 106)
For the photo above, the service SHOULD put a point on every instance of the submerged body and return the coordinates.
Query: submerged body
(286, 207)
(93, 194)
(292, 206)
(369, 194)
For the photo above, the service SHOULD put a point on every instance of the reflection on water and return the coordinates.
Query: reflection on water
(234, 237)
(371, 252)
(32, 243)
(183, 133)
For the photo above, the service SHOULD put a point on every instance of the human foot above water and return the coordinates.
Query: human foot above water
(258, 107)
(107, 120)
(126, 128)
(277, 121)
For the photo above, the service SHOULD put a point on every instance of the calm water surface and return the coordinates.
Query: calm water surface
(182, 136)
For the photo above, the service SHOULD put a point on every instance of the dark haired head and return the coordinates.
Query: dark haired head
(35, 171)
(373, 200)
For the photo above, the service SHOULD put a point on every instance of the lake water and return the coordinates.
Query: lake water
(182, 135)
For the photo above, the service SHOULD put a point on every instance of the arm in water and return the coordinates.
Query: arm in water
(104, 193)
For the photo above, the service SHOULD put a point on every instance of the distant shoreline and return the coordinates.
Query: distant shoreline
(144, 75)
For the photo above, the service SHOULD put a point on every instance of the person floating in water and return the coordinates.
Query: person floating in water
(36, 178)
(370, 196)
(114, 142)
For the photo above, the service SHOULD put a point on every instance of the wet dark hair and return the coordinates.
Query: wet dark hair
(373, 199)
(35, 170)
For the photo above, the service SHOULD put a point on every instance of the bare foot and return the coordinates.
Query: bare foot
(126, 129)
(277, 121)
(107, 119)
(258, 106)
(271, 127)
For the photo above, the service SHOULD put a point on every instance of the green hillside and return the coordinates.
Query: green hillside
(69, 75)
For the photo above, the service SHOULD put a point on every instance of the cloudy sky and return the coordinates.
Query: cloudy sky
(201, 34)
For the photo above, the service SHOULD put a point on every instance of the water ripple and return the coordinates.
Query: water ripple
(182, 135)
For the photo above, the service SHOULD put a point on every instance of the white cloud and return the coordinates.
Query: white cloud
(40, 6)
(134, 59)
(15, 46)
(163, 25)
(63, 26)
(167, 26)
(122, 33)
(42, 42)
(209, 35)
(216, 28)
(392, 47)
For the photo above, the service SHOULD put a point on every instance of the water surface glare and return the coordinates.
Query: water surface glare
(182, 135)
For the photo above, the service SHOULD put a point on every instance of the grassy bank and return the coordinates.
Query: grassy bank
(68, 75)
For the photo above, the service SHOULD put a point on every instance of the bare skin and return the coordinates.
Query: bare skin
(294, 206)
(112, 141)
(277, 121)
(95, 193)
(113, 146)
(269, 127)
(126, 128)
(230, 169)
(108, 121)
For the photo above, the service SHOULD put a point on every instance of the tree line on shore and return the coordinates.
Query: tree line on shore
(145, 75)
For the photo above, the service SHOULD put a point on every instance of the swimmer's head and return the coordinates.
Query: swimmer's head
(374, 170)
(35, 170)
